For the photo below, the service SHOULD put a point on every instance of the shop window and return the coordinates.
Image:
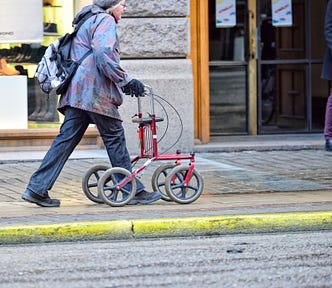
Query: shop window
(22, 59)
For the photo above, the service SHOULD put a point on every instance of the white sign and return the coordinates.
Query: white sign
(21, 21)
(282, 13)
(225, 13)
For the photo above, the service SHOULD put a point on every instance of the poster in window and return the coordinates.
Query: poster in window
(225, 13)
(282, 15)
(21, 21)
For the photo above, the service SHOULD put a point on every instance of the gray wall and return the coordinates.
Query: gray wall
(155, 43)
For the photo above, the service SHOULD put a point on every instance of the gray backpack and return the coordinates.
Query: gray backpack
(56, 69)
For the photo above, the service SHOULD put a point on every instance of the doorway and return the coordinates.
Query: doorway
(291, 94)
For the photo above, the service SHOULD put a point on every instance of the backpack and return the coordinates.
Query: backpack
(55, 70)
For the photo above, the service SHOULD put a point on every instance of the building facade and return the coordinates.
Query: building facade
(245, 76)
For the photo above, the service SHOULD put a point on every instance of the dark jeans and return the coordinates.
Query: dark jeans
(71, 132)
(328, 116)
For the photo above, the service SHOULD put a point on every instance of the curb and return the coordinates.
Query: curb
(167, 227)
(217, 148)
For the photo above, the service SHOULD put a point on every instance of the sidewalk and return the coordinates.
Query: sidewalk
(252, 184)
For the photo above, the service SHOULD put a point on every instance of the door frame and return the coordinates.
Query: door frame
(199, 17)
(199, 21)
(252, 69)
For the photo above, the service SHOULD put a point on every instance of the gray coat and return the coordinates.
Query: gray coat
(96, 85)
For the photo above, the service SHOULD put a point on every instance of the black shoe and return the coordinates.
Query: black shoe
(328, 145)
(22, 71)
(32, 197)
(50, 29)
(145, 198)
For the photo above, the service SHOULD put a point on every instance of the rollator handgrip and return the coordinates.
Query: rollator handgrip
(146, 120)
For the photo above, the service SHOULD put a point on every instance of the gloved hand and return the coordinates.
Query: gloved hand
(134, 88)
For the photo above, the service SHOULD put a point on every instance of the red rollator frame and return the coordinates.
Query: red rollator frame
(174, 180)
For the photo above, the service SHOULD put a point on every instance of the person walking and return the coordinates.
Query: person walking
(327, 74)
(93, 96)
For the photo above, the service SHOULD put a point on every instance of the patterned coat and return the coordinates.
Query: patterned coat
(96, 85)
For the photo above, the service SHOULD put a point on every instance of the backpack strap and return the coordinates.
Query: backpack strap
(77, 27)
(84, 56)
(69, 37)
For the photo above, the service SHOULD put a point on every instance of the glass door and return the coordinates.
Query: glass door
(228, 70)
(291, 97)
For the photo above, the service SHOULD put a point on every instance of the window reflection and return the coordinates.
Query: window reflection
(228, 44)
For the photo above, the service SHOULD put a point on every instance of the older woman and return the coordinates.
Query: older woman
(93, 96)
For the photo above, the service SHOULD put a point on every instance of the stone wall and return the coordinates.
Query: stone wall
(155, 43)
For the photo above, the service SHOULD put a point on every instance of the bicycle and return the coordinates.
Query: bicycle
(176, 181)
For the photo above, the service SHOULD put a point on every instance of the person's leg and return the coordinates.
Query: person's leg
(328, 122)
(71, 132)
(112, 133)
(328, 116)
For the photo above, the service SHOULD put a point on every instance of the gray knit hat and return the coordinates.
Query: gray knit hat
(106, 3)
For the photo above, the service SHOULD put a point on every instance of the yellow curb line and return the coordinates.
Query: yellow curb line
(167, 227)
(66, 232)
(218, 225)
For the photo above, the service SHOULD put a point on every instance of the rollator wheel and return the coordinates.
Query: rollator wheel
(90, 182)
(110, 193)
(175, 185)
(158, 179)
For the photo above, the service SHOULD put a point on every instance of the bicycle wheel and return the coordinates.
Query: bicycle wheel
(90, 182)
(108, 187)
(175, 185)
(158, 179)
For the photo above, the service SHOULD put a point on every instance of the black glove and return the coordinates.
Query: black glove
(134, 88)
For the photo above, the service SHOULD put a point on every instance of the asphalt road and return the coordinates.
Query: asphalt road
(261, 260)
